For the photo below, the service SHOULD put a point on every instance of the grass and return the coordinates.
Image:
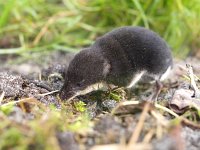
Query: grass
(44, 25)
(41, 131)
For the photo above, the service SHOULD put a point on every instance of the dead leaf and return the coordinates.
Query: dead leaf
(182, 100)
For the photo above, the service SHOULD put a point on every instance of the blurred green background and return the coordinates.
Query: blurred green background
(68, 25)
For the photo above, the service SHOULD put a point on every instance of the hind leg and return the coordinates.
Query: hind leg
(154, 96)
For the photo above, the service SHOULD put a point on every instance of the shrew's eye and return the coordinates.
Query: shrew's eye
(79, 84)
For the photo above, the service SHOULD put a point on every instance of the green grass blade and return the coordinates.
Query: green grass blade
(6, 12)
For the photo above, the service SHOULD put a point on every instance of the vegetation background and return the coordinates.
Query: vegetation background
(41, 25)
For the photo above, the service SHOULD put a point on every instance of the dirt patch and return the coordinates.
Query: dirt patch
(35, 79)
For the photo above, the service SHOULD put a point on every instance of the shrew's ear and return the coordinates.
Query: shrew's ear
(106, 68)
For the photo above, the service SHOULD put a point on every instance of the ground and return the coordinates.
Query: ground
(33, 116)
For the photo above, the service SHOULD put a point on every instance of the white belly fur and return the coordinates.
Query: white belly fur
(136, 78)
(89, 89)
(164, 76)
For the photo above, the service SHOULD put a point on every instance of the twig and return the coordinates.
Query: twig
(1, 97)
(167, 110)
(160, 118)
(124, 104)
(184, 120)
(159, 130)
(190, 123)
(48, 93)
(149, 136)
(139, 126)
(41, 85)
(19, 101)
(192, 81)
(137, 146)
(195, 76)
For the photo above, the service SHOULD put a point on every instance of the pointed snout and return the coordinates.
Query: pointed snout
(66, 95)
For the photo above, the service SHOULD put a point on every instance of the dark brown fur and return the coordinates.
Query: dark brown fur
(115, 57)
